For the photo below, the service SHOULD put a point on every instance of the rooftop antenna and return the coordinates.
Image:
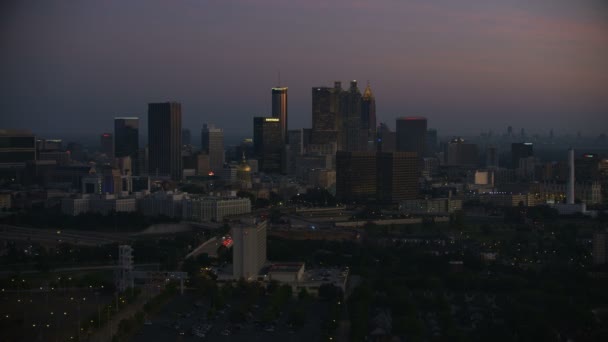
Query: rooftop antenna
(279, 78)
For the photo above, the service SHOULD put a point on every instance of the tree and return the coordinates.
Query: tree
(329, 292)
(303, 294)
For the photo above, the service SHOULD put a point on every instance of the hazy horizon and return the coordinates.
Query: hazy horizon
(467, 67)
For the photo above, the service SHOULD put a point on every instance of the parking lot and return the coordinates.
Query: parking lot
(178, 318)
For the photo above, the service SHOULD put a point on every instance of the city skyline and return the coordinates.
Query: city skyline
(501, 64)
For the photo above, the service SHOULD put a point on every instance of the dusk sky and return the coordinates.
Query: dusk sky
(468, 66)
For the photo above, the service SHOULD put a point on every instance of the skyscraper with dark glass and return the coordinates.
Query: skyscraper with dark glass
(326, 114)
(268, 143)
(411, 135)
(126, 140)
(165, 139)
(397, 176)
(519, 151)
(279, 109)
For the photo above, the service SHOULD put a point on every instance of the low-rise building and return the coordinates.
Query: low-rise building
(5, 200)
(215, 208)
(162, 203)
(76, 206)
(430, 206)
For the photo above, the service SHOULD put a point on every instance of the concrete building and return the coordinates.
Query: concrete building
(104, 204)
(307, 162)
(5, 200)
(461, 153)
(322, 178)
(162, 203)
(249, 249)
(61, 158)
(588, 192)
(75, 206)
(215, 208)
(483, 177)
(430, 206)
(229, 173)
(212, 144)
(48, 145)
(430, 167)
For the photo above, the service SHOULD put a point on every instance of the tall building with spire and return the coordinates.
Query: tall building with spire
(368, 112)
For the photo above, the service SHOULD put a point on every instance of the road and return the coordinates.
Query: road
(52, 236)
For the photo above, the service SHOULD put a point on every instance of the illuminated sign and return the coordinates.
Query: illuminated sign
(271, 119)
(211, 173)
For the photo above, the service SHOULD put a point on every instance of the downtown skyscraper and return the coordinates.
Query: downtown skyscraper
(326, 118)
(268, 143)
(165, 139)
(412, 135)
(126, 140)
(344, 117)
(368, 113)
(279, 110)
(212, 143)
(350, 109)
